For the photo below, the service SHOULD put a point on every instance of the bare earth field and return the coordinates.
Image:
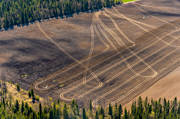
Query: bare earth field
(167, 87)
(109, 56)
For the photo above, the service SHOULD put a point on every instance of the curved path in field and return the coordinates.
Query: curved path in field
(116, 39)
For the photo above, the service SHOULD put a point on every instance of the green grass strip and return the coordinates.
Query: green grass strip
(126, 1)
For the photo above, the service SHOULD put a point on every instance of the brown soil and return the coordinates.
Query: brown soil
(167, 87)
(109, 56)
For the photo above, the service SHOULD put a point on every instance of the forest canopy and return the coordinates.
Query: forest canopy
(23, 12)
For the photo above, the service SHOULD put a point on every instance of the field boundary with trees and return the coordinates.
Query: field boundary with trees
(22, 12)
(140, 109)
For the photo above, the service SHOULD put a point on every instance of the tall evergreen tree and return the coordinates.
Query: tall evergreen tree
(65, 112)
(22, 107)
(120, 111)
(84, 114)
(90, 105)
(40, 110)
(97, 115)
(16, 108)
(110, 111)
(125, 114)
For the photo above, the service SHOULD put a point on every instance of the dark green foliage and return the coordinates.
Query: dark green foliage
(23, 12)
(119, 111)
(16, 107)
(22, 107)
(65, 112)
(84, 114)
(110, 110)
(102, 113)
(126, 114)
(40, 110)
(90, 105)
(97, 115)
(29, 94)
(32, 96)
(51, 115)
(32, 93)
(18, 87)
(142, 109)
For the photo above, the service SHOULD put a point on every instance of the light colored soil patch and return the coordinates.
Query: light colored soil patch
(84, 45)
(4, 57)
(168, 87)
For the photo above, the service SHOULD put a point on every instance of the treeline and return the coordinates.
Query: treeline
(140, 109)
(21, 12)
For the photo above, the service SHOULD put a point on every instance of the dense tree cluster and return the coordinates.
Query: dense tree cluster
(155, 109)
(21, 12)
(140, 109)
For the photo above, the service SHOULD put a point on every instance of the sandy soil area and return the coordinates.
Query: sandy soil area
(168, 87)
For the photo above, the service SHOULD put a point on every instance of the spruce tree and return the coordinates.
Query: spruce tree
(84, 114)
(97, 115)
(51, 115)
(18, 87)
(125, 114)
(110, 110)
(65, 112)
(119, 111)
(102, 112)
(22, 107)
(16, 107)
(40, 110)
(90, 105)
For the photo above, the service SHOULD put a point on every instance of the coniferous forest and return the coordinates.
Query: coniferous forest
(161, 109)
(23, 12)
(141, 109)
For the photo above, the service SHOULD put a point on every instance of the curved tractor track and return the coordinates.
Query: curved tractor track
(132, 67)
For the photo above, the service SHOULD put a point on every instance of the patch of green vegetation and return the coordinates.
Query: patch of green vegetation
(61, 85)
(140, 109)
(126, 1)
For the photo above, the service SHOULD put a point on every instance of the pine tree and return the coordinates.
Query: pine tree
(29, 94)
(22, 107)
(125, 114)
(90, 105)
(97, 115)
(133, 108)
(65, 113)
(84, 114)
(119, 111)
(115, 114)
(16, 107)
(102, 112)
(110, 110)
(32, 92)
(18, 87)
(178, 110)
(51, 115)
(40, 110)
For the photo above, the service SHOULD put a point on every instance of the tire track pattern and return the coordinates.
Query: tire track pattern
(128, 69)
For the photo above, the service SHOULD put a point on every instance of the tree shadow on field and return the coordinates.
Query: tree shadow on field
(35, 58)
